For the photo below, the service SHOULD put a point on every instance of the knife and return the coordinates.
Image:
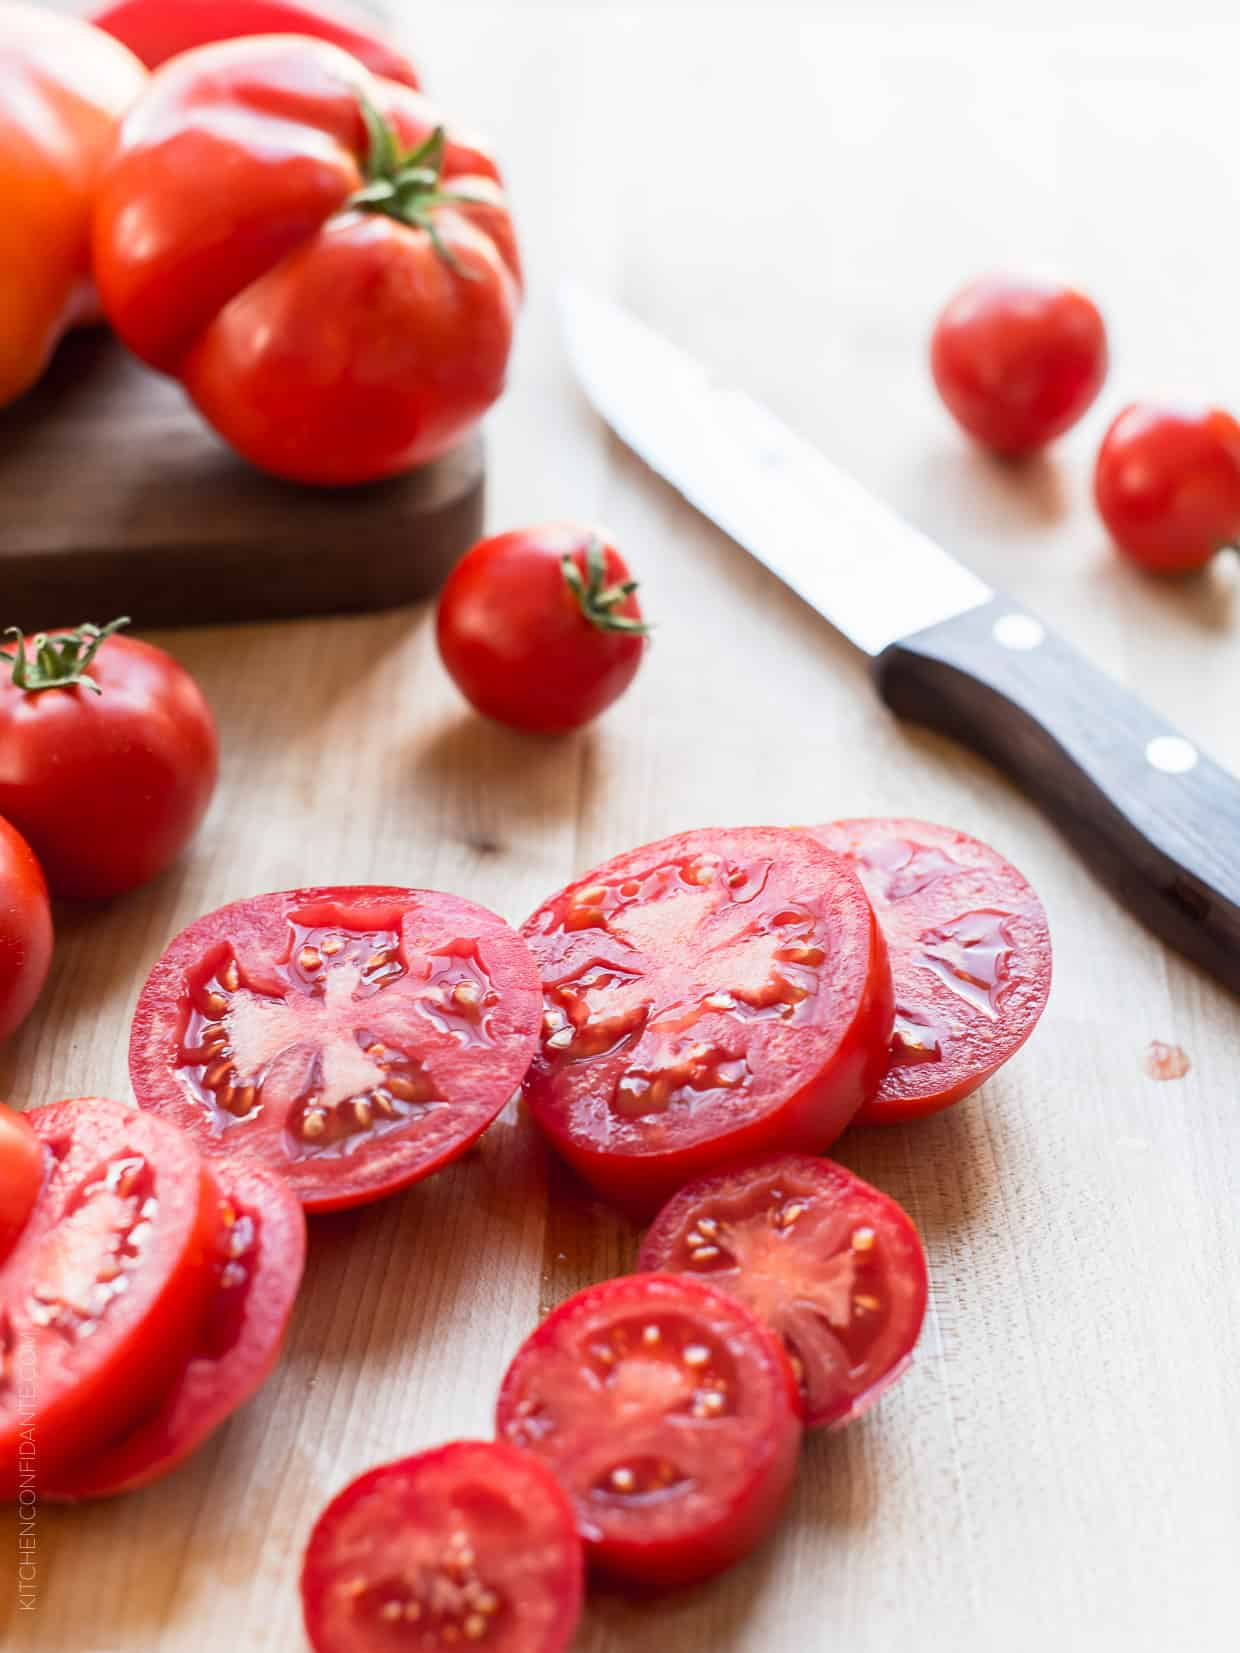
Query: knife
(1157, 821)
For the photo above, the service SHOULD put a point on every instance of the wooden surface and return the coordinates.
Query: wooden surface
(791, 197)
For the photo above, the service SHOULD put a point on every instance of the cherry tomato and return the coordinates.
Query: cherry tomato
(353, 1039)
(970, 958)
(827, 1261)
(1167, 484)
(540, 628)
(707, 998)
(1018, 362)
(25, 921)
(108, 757)
(259, 1255)
(104, 1292)
(21, 1176)
(669, 1413)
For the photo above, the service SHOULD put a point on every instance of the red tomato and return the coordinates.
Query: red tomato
(709, 997)
(471, 1544)
(155, 30)
(103, 1294)
(827, 1261)
(970, 957)
(1167, 483)
(337, 292)
(108, 758)
(21, 1176)
(260, 1252)
(353, 1039)
(1018, 362)
(540, 628)
(25, 919)
(670, 1414)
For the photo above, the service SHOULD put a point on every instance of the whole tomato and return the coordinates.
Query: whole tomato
(25, 930)
(540, 628)
(108, 757)
(1018, 362)
(333, 279)
(1167, 483)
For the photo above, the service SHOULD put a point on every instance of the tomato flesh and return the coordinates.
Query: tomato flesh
(970, 956)
(257, 1268)
(352, 1039)
(21, 1176)
(670, 1414)
(826, 1260)
(706, 998)
(473, 1544)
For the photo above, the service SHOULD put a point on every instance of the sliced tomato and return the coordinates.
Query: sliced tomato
(21, 1176)
(107, 1286)
(827, 1261)
(670, 1414)
(970, 956)
(474, 1544)
(260, 1254)
(708, 997)
(353, 1039)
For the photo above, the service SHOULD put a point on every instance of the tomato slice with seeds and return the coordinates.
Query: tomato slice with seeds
(970, 956)
(670, 1414)
(21, 1176)
(473, 1545)
(260, 1253)
(708, 997)
(829, 1262)
(103, 1294)
(353, 1039)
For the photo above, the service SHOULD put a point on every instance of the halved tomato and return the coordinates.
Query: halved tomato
(106, 1288)
(473, 1544)
(970, 956)
(258, 1264)
(670, 1414)
(354, 1039)
(712, 996)
(21, 1176)
(830, 1263)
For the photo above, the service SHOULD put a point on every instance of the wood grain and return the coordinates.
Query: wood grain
(1060, 1468)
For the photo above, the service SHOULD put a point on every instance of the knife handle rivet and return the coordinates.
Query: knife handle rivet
(1018, 631)
(1171, 753)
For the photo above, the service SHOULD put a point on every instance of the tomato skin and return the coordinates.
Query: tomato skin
(516, 641)
(1018, 362)
(108, 789)
(21, 1176)
(1167, 485)
(25, 924)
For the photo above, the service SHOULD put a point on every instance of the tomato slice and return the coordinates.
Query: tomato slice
(353, 1039)
(706, 998)
(970, 955)
(21, 1176)
(105, 1290)
(827, 1261)
(258, 1263)
(670, 1414)
(474, 1544)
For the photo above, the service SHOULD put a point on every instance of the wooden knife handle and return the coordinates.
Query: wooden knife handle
(1154, 817)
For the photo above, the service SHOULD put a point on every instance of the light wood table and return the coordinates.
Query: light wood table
(791, 198)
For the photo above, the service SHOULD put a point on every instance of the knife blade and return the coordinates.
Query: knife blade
(1158, 821)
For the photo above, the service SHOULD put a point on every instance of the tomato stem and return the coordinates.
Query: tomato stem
(405, 184)
(58, 662)
(598, 601)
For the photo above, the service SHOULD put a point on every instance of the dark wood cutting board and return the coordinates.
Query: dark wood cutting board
(117, 498)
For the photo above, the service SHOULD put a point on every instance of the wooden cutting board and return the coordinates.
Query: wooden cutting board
(117, 498)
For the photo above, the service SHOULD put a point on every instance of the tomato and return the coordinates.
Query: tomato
(1167, 483)
(103, 1294)
(708, 997)
(25, 922)
(353, 1039)
(338, 291)
(473, 1543)
(159, 29)
(21, 1176)
(540, 628)
(970, 956)
(1018, 362)
(108, 757)
(63, 88)
(827, 1261)
(257, 1266)
(670, 1414)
